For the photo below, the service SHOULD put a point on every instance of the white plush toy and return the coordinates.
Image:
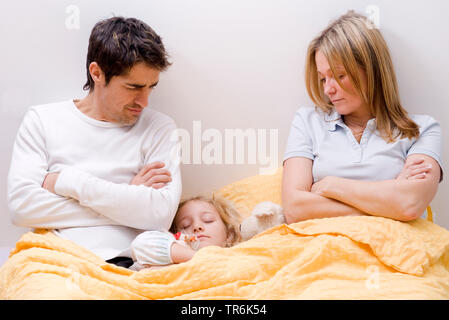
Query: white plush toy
(264, 216)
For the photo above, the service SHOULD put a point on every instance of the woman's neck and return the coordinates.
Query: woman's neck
(357, 120)
(357, 123)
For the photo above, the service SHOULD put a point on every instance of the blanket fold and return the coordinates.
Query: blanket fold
(334, 258)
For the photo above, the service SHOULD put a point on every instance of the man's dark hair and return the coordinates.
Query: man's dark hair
(118, 43)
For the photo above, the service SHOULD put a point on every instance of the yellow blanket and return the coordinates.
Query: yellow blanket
(336, 258)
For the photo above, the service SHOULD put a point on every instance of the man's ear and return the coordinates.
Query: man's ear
(97, 74)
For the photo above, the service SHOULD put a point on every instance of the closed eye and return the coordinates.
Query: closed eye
(184, 224)
(208, 217)
(134, 87)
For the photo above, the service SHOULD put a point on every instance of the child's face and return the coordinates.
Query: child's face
(202, 219)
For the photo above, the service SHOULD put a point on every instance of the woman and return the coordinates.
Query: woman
(358, 152)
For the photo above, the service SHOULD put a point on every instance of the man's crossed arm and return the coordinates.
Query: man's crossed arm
(150, 200)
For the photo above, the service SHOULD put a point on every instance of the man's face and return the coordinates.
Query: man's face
(125, 96)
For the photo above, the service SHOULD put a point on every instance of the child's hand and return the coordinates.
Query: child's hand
(190, 240)
(181, 253)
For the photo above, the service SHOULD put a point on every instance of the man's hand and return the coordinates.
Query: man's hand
(50, 181)
(152, 175)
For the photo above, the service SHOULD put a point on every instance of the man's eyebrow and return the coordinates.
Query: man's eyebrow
(138, 85)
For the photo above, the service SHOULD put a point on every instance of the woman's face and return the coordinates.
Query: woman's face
(345, 102)
(202, 219)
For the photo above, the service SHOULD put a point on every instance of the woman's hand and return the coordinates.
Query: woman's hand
(416, 169)
(324, 186)
(301, 198)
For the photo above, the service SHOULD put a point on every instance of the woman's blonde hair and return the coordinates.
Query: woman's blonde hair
(228, 214)
(354, 42)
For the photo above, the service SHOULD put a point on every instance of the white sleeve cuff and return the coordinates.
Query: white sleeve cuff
(67, 180)
(152, 248)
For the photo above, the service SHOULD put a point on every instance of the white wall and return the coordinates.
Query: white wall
(237, 64)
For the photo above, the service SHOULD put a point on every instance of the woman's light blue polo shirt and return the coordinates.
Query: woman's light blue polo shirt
(325, 139)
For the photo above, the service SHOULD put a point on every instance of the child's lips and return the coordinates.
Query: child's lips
(202, 236)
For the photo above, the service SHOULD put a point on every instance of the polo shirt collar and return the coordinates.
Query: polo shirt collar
(333, 119)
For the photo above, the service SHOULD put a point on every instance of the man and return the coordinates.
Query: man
(100, 170)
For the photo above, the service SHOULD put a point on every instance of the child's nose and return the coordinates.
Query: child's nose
(198, 228)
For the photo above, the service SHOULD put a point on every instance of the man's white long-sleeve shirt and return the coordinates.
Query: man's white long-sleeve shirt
(95, 206)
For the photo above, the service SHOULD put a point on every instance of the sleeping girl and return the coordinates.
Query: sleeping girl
(199, 222)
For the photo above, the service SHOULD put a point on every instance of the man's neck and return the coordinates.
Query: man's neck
(89, 106)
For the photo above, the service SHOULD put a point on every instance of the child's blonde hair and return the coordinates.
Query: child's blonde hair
(228, 214)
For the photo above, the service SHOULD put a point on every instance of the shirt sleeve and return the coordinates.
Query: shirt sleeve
(152, 248)
(30, 205)
(299, 143)
(429, 142)
(134, 206)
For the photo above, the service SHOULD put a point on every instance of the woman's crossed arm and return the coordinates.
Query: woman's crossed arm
(400, 199)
